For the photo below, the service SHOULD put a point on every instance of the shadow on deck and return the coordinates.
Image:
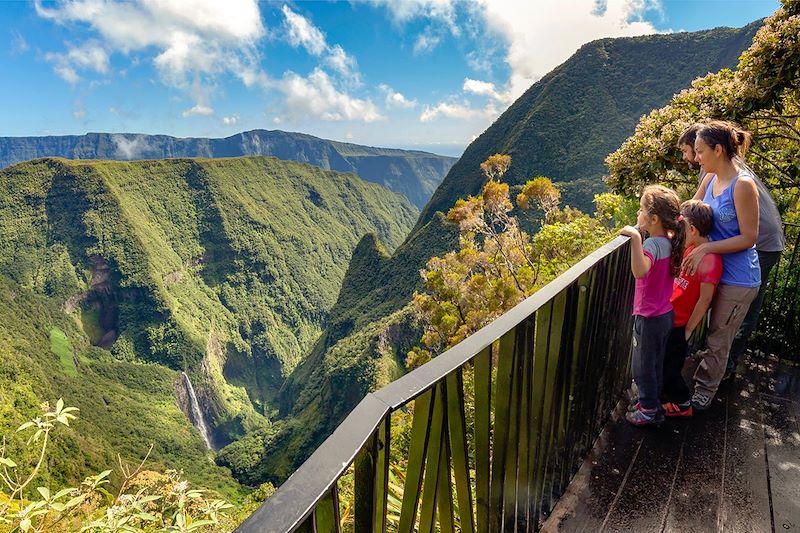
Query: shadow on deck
(735, 467)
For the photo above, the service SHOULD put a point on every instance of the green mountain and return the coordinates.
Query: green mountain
(412, 173)
(563, 127)
(118, 276)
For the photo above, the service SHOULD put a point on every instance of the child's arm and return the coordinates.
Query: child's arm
(700, 308)
(640, 263)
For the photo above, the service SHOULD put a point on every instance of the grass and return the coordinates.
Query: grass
(62, 347)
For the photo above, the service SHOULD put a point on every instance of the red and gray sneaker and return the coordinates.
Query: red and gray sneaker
(645, 417)
(677, 410)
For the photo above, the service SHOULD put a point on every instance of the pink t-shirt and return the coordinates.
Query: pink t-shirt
(652, 293)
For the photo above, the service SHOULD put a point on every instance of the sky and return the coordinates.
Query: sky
(417, 74)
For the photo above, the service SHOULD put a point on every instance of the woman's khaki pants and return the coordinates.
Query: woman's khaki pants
(728, 310)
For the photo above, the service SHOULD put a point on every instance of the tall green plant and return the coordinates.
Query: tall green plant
(153, 502)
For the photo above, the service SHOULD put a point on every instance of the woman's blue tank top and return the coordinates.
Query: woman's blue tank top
(738, 268)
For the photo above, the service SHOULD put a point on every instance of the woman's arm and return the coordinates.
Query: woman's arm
(701, 189)
(700, 308)
(745, 197)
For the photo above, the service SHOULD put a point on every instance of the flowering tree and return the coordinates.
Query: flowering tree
(498, 264)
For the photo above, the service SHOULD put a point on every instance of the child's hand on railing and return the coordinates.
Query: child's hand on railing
(632, 232)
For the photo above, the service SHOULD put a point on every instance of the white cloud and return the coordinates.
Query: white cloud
(231, 120)
(539, 36)
(442, 11)
(481, 88)
(302, 32)
(67, 74)
(130, 146)
(455, 110)
(316, 97)
(79, 111)
(194, 40)
(88, 56)
(18, 43)
(426, 43)
(395, 99)
(198, 110)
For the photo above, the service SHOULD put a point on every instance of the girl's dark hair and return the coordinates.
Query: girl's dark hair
(699, 215)
(664, 203)
(733, 139)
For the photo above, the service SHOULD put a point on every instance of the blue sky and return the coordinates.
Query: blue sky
(424, 74)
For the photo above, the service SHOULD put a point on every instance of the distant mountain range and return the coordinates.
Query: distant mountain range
(412, 173)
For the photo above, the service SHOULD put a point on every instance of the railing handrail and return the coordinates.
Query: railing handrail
(296, 498)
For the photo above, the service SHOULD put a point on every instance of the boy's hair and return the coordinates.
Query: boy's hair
(699, 215)
(664, 203)
(689, 135)
(734, 140)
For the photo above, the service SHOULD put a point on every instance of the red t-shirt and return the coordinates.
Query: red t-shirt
(686, 288)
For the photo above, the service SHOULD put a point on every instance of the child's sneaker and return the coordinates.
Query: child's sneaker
(645, 417)
(701, 401)
(633, 406)
(677, 410)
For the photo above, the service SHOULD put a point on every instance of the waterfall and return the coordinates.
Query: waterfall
(195, 413)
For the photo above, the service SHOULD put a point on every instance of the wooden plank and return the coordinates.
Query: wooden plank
(696, 498)
(418, 450)
(641, 504)
(483, 433)
(745, 496)
(783, 454)
(592, 491)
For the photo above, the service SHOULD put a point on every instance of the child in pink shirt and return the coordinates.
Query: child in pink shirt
(654, 263)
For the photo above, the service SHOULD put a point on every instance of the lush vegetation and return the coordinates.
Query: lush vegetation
(120, 275)
(565, 125)
(412, 173)
(763, 94)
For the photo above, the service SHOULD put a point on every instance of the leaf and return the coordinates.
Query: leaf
(7, 462)
(44, 491)
(63, 492)
(76, 500)
(200, 523)
(25, 426)
(59, 405)
(25, 525)
(59, 507)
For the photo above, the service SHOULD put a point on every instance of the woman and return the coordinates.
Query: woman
(731, 192)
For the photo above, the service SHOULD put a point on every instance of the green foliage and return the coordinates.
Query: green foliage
(125, 406)
(498, 264)
(762, 95)
(163, 503)
(224, 268)
(60, 345)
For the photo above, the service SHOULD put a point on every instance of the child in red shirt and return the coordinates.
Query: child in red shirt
(691, 298)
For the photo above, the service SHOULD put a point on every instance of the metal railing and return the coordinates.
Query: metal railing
(500, 423)
(778, 331)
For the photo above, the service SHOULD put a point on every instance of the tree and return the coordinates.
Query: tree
(763, 95)
(498, 264)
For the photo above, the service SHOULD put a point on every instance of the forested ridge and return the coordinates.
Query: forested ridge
(117, 276)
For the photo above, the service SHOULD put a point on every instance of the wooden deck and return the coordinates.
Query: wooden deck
(735, 467)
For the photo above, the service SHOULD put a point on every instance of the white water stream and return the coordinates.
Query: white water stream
(197, 414)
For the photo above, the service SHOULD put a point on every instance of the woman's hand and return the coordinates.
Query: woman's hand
(632, 232)
(692, 261)
(688, 334)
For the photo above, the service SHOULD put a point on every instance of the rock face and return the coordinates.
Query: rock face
(412, 173)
